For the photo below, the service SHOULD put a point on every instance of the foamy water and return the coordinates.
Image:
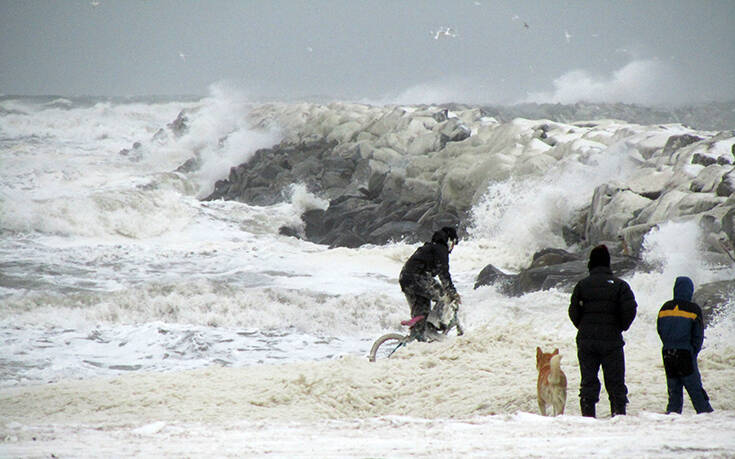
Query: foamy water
(115, 278)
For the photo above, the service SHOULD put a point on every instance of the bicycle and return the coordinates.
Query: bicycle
(442, 319)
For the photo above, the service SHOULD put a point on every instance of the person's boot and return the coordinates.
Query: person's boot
(701, 402)
(588, 408)
(617, 408)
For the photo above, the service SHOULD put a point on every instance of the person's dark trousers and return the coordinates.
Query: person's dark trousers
(693, 384)
(593, 354)
(417, 297)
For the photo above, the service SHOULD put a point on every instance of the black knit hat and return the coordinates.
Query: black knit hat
(599, 256)
(443, 235)
(451, 233)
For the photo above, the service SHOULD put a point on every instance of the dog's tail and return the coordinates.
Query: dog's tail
(555, 374)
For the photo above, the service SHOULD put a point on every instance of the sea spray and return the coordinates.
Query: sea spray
(220, 136)
(528, 213)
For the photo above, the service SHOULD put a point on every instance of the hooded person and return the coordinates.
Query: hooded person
(681, 328)
(602, 307)
(417, 278)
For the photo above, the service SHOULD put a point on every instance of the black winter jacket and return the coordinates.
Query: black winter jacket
(431, 259)
(602, 307)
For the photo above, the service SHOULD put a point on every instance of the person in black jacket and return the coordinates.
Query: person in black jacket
(602, 307)
(681, 328)
(417, 277)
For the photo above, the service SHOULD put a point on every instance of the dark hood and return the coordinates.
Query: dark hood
(440, 237)
(683, 288)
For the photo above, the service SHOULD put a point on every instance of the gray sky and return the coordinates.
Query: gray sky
(639, 51)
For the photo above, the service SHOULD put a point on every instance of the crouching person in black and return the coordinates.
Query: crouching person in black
(417, 277)
(602, 307)
(681, 328)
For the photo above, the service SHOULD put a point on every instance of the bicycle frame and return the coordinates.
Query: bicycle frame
(386, 345)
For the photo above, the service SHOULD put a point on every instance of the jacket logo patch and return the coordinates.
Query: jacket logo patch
(676, 312)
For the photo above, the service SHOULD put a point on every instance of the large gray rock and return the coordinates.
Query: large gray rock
(490, 275)
(728, 226)
(179, 126)
(612, 209)
(727, 186)
(717, 299)
(676, 142)
(452, 130)
(550, 268)
(263, 179)
(711, 178)
(369, 201)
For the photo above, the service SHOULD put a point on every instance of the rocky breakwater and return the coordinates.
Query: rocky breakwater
(686, 177)
(399, 172)
(677, 175)
(394, 172)
(387, 173)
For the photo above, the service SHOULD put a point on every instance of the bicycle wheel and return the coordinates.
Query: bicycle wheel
(385, 346)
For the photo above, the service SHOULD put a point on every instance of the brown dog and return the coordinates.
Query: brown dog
(552, 382)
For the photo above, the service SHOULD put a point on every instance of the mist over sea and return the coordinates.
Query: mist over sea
(113, 270)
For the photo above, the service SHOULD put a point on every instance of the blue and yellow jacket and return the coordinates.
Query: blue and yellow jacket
(680, 324)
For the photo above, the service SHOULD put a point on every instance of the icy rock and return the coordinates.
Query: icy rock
(708, 179)
(550, 268)
(399, 172)
(611, 210)
(179, 126)
(713, 298)
(727, 185)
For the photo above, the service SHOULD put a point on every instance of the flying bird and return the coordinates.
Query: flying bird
(94, 4)
(525, 24)
(444, 32)
(182, 56)
(568, 36)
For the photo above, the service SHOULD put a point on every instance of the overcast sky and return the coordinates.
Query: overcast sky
(410, 51)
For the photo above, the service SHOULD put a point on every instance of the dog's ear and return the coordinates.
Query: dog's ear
(556, 351)
(538, 352)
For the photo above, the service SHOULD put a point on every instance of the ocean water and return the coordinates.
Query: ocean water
(111, 263)
(111, 266)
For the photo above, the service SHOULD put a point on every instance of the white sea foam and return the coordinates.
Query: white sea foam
(155, 311)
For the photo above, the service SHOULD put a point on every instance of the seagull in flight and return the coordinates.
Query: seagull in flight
(95, 4)
(568, 36)
(444, 32)
(525, 24)
(182, 56)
